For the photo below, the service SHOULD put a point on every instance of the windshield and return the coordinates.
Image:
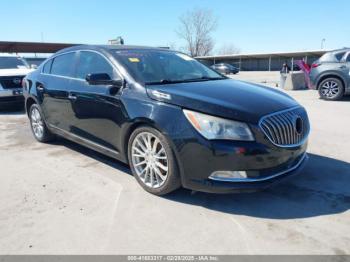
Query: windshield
(12, 63)
(164, 67)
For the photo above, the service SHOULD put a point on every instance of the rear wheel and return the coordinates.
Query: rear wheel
(331, 89)
(152, 161)
(38, 126)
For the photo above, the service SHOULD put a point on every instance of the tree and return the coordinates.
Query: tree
(195, 29)
(228, 49)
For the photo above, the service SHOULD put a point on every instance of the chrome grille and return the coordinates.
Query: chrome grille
(9, 82)
(286, 128)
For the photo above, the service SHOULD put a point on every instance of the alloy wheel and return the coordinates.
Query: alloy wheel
(330, 89)
(37, 123)
(149, 160)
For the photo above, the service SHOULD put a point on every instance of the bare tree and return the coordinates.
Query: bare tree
(228, 49)
(195, 29)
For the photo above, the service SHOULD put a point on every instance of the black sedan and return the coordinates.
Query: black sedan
(225, 68)
(175, 121)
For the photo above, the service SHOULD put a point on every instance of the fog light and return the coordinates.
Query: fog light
(228, 175)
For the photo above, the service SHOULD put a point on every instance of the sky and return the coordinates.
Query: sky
(254, 26)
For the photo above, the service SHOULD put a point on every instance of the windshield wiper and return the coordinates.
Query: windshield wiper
(204, 78)
(164, 82)
(168, 81)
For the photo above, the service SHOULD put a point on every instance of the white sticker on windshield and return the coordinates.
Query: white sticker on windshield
(185, 57)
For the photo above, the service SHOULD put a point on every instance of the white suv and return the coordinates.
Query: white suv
(12, 70)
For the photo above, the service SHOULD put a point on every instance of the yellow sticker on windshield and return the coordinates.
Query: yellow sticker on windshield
(134, 60)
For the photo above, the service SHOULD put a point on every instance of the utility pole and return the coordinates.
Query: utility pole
(323, 43)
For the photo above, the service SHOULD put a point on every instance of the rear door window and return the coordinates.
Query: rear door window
(348, 58)
(63, 65)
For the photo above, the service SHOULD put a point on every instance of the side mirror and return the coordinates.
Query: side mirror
(103, 79)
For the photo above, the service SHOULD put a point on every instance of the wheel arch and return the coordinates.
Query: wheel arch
(330, 75)
(147, 122)
(29, 102)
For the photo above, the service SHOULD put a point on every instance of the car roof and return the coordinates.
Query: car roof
(345, 49)
(110, 48)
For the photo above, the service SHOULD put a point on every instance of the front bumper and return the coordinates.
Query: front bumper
(11, 92)
(251, 184)
(11, 96)
(265, 163)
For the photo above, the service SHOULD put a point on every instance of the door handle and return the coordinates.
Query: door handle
(72, 97)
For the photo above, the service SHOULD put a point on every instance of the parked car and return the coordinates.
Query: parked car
(35, 61)
(12, 71)
(225, 68)
(175, 121)
(330, 74)
(296, 67)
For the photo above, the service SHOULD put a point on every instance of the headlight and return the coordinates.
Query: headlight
(212, 127)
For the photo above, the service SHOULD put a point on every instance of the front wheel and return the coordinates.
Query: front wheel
(152, 161)
(331, 89)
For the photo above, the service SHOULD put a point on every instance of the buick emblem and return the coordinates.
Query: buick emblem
(17, 81)
(299, 125)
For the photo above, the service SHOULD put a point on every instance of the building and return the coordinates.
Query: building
(263, 61)
(31, 47)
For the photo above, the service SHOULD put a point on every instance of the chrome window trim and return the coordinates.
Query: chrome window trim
(66, 77)
(277, 113)
(77, 51)
(249, 180)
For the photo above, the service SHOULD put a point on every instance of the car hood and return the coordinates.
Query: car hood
(15, 72)
(231, 99)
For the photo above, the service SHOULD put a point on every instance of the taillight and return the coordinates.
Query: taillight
(24, 83)
(314, 65)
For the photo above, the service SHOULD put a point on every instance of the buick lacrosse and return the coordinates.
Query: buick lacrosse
(175, 121)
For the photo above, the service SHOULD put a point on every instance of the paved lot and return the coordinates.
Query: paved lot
(62, 198)
(271, 79)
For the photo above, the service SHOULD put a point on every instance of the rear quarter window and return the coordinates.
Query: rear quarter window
(339, 56)
(332, 57)
(47, 67)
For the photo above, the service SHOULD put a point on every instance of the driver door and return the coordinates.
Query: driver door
(96, 113)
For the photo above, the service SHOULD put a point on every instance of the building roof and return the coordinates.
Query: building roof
(267, 55)
(31, 47)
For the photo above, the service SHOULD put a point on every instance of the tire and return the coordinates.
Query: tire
(151, 147)
(38, 125)
(331, 89)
